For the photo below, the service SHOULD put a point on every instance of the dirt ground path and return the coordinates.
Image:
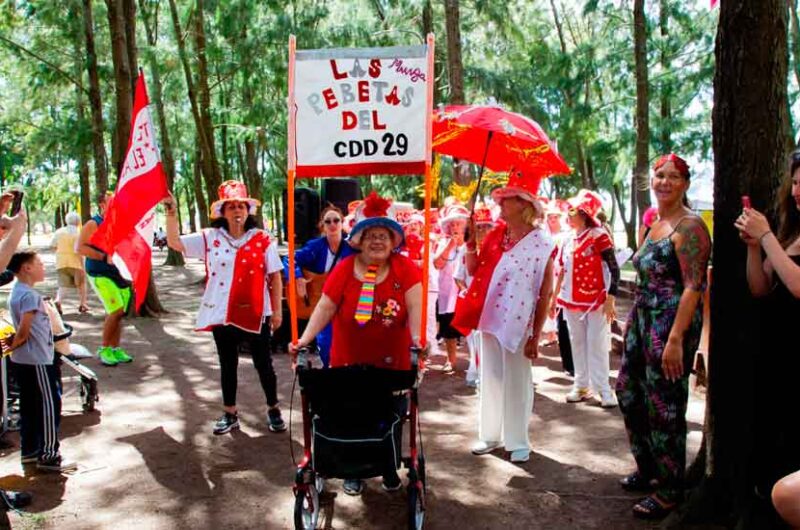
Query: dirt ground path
(147, 458)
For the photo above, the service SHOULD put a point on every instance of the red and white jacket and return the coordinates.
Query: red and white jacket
(583, 287)
(237, 277)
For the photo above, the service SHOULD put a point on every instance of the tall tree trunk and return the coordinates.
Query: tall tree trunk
(199, 196)
(641, 188)
(190, 209)
(251, 176)
(129, 9)
(95, 103)
(630, 223)
(118, 28)
(225, 162)
(151, 28)
(427, 27)
(76, 15)
(749, 120)
(455, 68)
(212, 177)
(210, 171)
(666, 102)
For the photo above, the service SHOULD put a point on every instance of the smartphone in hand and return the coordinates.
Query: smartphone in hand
(16, 205)
(746, 202)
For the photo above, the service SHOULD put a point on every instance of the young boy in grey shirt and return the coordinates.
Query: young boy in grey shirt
(37, 374)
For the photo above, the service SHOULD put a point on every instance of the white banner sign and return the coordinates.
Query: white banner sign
(361, 111)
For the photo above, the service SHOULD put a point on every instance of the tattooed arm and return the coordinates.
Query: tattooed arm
(693, 246)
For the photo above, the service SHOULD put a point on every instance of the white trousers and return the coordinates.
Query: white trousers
(589, 333)
(473, 343)
(430, 319)
(506, 397)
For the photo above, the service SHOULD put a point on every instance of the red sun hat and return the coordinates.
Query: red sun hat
(233, 190)
(588, 202)
(522, 186)
(375, 211)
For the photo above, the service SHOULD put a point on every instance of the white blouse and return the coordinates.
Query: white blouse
(514, 290)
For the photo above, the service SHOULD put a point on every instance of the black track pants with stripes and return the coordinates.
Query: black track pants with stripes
(39, 409)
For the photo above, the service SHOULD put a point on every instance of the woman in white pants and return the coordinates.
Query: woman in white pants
(587, 303)
(507, 302)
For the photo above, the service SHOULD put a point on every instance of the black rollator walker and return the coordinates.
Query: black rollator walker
(353, 420)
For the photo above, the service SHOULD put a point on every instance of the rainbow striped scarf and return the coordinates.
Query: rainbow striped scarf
(367, 297)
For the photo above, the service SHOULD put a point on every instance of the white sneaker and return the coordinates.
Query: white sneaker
(482, 448)
(608, 401)
(576, 395)
(520, 455)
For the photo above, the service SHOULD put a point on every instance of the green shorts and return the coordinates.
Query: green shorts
(110, 294)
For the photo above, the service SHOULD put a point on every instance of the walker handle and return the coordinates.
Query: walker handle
(303, 358)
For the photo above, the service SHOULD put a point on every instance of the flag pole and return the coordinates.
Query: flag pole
(292, 167)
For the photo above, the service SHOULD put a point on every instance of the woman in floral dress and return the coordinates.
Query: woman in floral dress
(660, 341)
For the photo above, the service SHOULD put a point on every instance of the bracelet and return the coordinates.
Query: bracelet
(768, 232)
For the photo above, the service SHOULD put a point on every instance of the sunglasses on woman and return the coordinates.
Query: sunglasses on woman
(334, 221)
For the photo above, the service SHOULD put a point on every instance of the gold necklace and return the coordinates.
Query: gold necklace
(508, 242)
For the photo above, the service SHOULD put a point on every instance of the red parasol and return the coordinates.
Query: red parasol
(496, 138)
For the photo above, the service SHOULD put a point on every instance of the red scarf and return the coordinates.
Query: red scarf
(246, 299)
(470, 306)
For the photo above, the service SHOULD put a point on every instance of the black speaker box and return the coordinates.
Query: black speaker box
(340, 192)
(306, 215)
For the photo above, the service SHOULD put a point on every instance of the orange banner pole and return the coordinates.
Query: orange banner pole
(426, 254)
(292, 167)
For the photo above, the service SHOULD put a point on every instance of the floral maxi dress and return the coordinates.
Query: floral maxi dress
(653, 407)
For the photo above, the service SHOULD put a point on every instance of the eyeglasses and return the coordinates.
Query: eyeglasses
(334, 221)
(377, 237)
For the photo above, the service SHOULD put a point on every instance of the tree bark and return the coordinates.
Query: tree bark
(455, 69)
(190, 209)
(210, 170)
(199, 196)
(665, 96)
(95, 103)
(212, 177)
(151, 29)
(630, 223)
(76, 16)
(118, 28)
(641, 188)
(749, 120)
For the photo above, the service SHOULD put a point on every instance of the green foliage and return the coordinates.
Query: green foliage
(579, 85)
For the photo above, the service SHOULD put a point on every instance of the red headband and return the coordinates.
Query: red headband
(680, 164)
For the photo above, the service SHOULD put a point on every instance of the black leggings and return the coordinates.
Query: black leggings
(230, 342)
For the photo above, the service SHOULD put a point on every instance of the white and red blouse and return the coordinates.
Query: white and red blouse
(513, 290)
(237, 277)
(583, 287)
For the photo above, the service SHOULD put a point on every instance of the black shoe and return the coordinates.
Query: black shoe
(276, 423)
(16, 499)
(392, 483)
(226, 423)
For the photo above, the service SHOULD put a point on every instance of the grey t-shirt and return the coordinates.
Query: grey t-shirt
(38, 349)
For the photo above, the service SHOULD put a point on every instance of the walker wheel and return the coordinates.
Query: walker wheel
(306, 507)
(416, 507)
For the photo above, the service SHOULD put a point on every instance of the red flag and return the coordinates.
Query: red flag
(129, 222)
